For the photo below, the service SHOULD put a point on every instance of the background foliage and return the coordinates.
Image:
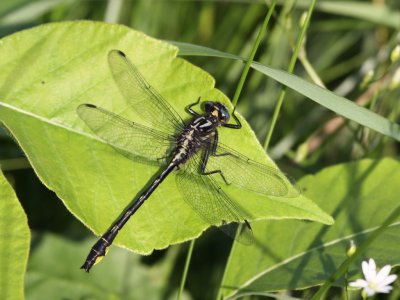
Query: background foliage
(344, 42)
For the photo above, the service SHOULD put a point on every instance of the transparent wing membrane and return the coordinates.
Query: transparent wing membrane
(148, 104)
(239, 170)
(133, 140)
(210, 202)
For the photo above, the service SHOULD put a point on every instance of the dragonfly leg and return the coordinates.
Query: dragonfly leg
(247, 224)
(214, 148)
(190, 110)
(238, 125)
(211, 149)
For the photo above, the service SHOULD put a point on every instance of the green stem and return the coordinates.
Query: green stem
(113, 11)
(345, 265)
(290, 71)
(185, 270)
(309, 68)
(239, 89)
(252, 54)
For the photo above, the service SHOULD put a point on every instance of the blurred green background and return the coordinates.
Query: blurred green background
(343, 45)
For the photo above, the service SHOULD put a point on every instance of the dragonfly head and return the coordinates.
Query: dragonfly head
(217, 110)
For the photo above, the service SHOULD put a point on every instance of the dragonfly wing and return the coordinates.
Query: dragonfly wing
(211, 203)
(133, 140)
(148, 104)
(249, 174)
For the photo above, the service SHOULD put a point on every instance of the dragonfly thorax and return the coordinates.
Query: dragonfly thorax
(196, 133)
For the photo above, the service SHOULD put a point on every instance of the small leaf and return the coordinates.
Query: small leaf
(295, 255)
(14, 243)
(53, 270)
(44, 84)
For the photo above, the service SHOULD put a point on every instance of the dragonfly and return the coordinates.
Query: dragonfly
(190, 149)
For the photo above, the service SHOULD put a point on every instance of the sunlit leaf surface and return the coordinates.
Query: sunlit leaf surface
(50, 70)
(295, 255)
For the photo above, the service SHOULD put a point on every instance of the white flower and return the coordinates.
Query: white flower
(375, 282)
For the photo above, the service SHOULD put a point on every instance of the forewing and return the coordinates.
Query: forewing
(148, 104)
(210, 202)
(239, 170)
(133, 140)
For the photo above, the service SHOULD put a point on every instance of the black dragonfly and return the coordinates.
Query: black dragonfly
(190, 148)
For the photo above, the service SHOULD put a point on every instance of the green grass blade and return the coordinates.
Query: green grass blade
(368, 11)
(290, 68)
(326, 98)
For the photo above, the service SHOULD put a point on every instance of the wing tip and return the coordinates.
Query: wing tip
(120, 53)
(89, 105)
(82, 108)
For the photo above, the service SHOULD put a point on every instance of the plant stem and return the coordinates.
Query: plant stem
(239, 89)
(113, 11)
(252, 54)
(289, 70)
(185, 270)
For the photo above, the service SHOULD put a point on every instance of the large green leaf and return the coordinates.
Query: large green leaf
(48, 71)
(14, 243)
(294, 255)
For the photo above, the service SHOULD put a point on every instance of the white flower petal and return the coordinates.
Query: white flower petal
(384, 289)
(372, 264)
(383, 273)
(359, 283)
(388, 280)
(369, 291)
(369, 270)
(375, 282)
(365, 268)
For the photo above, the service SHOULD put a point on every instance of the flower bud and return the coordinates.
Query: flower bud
(395, 54)
(351, 249)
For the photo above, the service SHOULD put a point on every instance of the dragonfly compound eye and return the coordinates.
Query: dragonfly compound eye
(209, 106)
(223, 113)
